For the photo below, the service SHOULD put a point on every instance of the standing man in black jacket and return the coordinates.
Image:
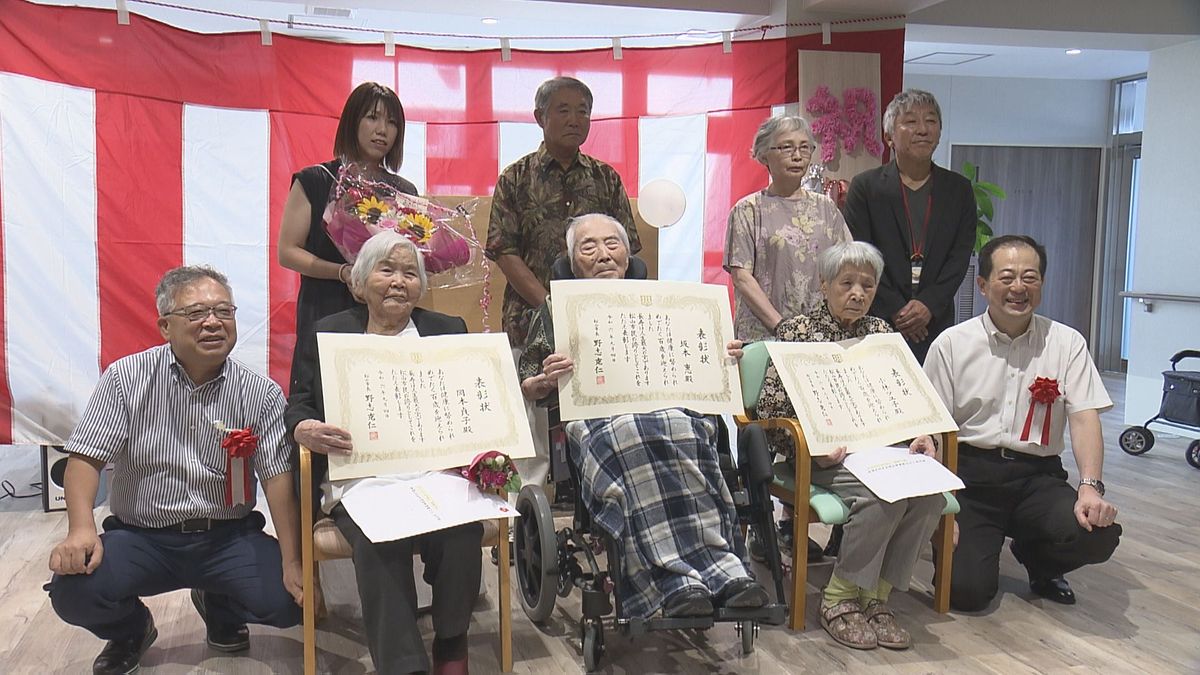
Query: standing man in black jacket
(921, 217)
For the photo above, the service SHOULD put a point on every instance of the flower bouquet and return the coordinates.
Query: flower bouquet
(360, 207)
(491, 470)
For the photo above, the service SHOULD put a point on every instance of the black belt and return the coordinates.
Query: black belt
(195, 525)
(1003, 453)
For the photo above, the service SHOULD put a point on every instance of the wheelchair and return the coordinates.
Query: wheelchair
(552, 563)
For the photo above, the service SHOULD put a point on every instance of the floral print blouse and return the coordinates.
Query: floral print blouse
(820, 326)
(778, 239)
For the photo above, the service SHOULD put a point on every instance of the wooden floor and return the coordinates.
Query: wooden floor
(1136, 614)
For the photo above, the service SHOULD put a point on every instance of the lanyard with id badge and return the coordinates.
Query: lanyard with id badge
(917, 258)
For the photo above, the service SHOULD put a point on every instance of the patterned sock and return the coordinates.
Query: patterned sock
(838, 590)
(880, 593)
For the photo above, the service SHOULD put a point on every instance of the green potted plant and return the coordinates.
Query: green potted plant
(984, 208)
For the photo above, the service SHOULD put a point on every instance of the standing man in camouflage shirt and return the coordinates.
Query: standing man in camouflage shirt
(534, 198)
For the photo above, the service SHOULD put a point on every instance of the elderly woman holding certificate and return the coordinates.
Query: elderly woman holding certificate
(882, 539)
(651, 481)
(389, 275)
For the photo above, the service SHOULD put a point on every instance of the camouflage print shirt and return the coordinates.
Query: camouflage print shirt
(533, 200)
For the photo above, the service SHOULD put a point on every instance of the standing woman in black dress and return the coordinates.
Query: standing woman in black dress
(370, 135)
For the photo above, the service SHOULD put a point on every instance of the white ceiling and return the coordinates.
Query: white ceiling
(1011, 52)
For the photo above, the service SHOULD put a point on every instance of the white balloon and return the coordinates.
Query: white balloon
(661, 202)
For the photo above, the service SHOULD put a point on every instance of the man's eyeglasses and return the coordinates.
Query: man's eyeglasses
(198, 313)
(788, 150)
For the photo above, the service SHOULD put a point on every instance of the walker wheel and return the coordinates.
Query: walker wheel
(1137, 440)
(1193, 454)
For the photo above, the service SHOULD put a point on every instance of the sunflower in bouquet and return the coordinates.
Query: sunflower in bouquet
(360, 207)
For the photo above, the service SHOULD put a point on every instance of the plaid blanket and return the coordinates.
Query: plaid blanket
(654, 483)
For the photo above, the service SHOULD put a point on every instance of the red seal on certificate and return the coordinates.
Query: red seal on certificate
(599, 379)
(1043, 391)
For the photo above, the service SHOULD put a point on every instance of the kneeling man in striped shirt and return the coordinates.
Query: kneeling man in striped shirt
(187, 429)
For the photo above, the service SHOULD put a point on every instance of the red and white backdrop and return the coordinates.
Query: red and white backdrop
(127, 150)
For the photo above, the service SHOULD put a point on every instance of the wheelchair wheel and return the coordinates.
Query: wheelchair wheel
(1137, 440)
(1193, 454)
(748, 630)
(536, 549)
(592, 644)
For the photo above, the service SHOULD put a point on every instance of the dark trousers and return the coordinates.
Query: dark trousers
(236, 563)
(388, 591)
(1029, 500)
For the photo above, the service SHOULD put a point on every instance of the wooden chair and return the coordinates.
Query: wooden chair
(324, 541)
(824, 506)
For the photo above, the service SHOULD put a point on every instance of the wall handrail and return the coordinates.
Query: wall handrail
(1162, 297)
(1147, 300)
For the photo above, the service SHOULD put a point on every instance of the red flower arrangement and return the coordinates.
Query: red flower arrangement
(491, 470)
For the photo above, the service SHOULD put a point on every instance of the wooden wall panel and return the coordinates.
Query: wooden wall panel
(838, 71)
(1052, 197)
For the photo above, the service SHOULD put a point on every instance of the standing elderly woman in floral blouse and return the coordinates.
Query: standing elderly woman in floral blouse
(882, 539)
(776, 234)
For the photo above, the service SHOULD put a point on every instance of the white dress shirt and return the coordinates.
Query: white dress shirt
(983, 377)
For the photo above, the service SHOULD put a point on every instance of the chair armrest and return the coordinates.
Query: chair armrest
(950, 451)
(306, 505)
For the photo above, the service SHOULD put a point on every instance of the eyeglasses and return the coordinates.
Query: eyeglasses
(788, 149)
(198, 313)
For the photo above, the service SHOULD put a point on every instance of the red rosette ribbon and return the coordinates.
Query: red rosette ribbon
(491, 470)
(1044, 390)
(239, 446)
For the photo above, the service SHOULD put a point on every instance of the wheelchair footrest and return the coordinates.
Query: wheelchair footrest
(640, 626)
(773, 614)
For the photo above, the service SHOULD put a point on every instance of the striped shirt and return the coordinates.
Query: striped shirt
(158, 430)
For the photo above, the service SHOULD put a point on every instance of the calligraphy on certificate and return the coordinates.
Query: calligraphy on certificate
(640, 346)
(859, 393)
(421, 404)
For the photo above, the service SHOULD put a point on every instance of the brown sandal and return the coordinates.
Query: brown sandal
(888, 633)
(847, 625)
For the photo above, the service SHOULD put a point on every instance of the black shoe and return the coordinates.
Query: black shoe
(1055, 589)
(120, 657)
(221, 636)
(743, 593)
(690, 601)
(512, 556)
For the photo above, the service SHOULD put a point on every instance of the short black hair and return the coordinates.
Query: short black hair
(360, 102)
(985, 253)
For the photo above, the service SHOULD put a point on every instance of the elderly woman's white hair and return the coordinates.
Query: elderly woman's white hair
(848, 253)
(906, 101)
(379, 247)
(773, 126)
(574, 223)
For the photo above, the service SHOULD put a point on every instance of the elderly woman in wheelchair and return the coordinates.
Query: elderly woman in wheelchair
(881, 540)
(652, 483)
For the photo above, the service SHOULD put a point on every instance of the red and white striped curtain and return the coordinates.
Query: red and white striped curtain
(128, 150)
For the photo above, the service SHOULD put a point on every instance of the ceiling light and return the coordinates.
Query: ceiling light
(489, 20)
(1074, 52)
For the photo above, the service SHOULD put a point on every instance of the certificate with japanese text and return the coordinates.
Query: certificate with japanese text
(895, 473)
(641, 346)
(421, 403)
(861, 394)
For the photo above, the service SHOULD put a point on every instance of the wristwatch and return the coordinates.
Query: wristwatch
(1094, 482)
